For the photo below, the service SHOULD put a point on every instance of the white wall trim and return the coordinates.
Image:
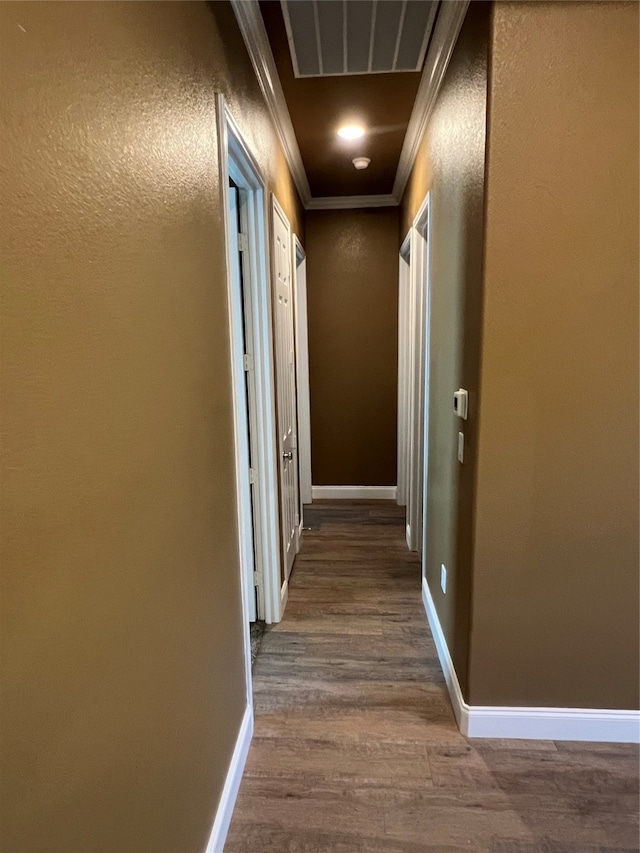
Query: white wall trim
(350, 202)
(460, 707)
(232, 784)
(383, 493)
(255, 37)
(404, 307)
(235, 156)
(418, 371)
(445, 35)
(485, 721)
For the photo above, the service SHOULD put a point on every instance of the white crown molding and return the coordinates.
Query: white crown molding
(347, 493)
(445, 34)
(448, 23)
(253, 31)
(585, 724)
(347, 202)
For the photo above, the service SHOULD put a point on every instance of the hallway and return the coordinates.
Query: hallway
(355, 744)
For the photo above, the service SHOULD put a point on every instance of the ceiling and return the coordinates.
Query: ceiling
(381, 98)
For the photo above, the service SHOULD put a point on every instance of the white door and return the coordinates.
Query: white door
(285, 388)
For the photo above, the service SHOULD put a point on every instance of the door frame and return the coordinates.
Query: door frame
(245, 391)
(277, 210)
(237, 162)
(404, 357)
(420, 317)
(302, 373)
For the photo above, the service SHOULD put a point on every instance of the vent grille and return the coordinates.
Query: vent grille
(332, 37)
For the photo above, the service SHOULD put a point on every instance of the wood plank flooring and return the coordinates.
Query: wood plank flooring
(356, 747)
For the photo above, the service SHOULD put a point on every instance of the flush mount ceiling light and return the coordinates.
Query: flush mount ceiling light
(351, 131)
(361, 162)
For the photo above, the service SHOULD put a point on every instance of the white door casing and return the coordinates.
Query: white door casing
(404, 355)
(286, 407)
(420, 278)
(302, 373)
(245, 407)
(237, 163)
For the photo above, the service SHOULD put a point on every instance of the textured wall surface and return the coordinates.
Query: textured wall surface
(555, 608)
(450, 164)
(352, 292)
(122, 675)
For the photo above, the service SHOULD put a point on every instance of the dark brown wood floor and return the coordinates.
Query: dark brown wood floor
(356, 747)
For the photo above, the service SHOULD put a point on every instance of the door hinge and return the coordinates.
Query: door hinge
(252, 476)
(243, 242)
(247, 361)
(257, 578)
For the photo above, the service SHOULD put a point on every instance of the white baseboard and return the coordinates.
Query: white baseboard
(232, 784)
(460, 707)
(484, 721)
(383, 493)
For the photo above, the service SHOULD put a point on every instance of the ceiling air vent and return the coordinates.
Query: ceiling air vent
(331, 37)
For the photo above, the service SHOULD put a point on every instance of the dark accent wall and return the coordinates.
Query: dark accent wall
(123, 683)
(450, 165)
(352, 293)
(555, 601)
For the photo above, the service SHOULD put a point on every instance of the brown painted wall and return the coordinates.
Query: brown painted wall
(450, 165)
(555, 608)
(122, 678)
(352, 293)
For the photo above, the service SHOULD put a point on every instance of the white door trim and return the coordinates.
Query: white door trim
(244, 400)
(420, 302)
(302, 373)
(404, 354)
(422, 227)
(235, 155)
(491, 721)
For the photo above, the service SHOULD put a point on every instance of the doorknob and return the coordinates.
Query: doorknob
(288, 455)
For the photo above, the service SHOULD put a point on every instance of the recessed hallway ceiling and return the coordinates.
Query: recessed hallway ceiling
(382, 102)
(363, 37)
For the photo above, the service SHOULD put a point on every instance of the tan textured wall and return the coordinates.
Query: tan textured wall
(122, 676)
(450, 164)
(352, 293)
(555, 608)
